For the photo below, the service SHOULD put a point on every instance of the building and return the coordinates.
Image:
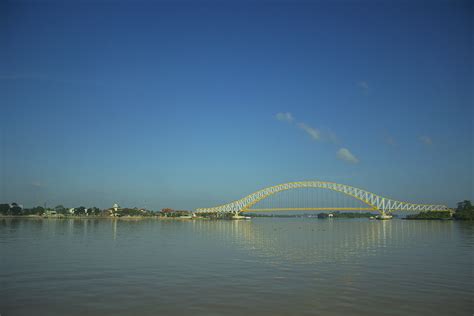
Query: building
(50, 213)
(113, 211)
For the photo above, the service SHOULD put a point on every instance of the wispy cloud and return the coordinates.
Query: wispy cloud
(318, 135)
(426, 140)
(286, 117)
(345, 155)
(364, 86)
(37, 184)
(313, 132)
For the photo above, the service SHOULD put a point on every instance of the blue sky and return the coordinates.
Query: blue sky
(190, 104)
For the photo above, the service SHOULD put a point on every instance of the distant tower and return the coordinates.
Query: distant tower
(116, 207)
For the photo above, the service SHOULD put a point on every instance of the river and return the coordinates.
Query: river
(263, 266)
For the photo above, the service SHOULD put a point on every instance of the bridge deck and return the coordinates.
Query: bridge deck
(362, 209)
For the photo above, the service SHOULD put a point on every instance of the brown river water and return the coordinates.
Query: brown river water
(263, 266)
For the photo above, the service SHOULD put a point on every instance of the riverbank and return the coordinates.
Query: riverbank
(63, 217)
(431, 215)
(78, 217)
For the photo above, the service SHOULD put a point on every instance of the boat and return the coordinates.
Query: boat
(186, 217)
(384, 217)
(240, 217)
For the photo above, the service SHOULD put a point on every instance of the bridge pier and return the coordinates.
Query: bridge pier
(237, 216)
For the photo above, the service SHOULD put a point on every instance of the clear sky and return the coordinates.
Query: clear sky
(190, 104)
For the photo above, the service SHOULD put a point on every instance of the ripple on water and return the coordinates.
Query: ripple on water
(263, 266)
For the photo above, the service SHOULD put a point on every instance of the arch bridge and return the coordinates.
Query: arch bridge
(375, 202)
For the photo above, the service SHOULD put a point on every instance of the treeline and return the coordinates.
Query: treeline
(336, 214)
(431, 215)
(15, 209)
(168, 212)
(275, 215)
(352, 215)
(464, 211)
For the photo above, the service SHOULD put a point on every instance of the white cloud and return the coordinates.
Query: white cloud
(346, 155)
(286, 117)
(426, 140)
(313, 132)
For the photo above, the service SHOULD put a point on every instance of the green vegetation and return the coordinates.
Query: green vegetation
(276, 215)
(352, 215)
(133, 212)
(431, 215)
(464, 211)
(212, 215)
(319, 215)
(338, 214)
(14, 209)
(37, 210)
(122, 212)
(4, 208)
(168, 212)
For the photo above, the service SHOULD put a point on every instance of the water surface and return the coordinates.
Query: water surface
(266, 266)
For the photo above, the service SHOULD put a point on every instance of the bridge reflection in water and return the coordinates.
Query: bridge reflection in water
(306, 241)
(265, 266)
(294, 240)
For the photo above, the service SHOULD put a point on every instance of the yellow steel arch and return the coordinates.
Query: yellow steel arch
(246, 209)
(376, 202)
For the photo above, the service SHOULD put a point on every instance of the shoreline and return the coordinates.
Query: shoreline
(95, 217)
(125, 218)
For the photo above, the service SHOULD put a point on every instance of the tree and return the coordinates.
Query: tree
(431, 215)
(38, 210)
(4, 208)
(60, 209)
(166, 212)
(15, 210)
(464, 205)
(464, 211)
(94, 210)
(80, 210)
